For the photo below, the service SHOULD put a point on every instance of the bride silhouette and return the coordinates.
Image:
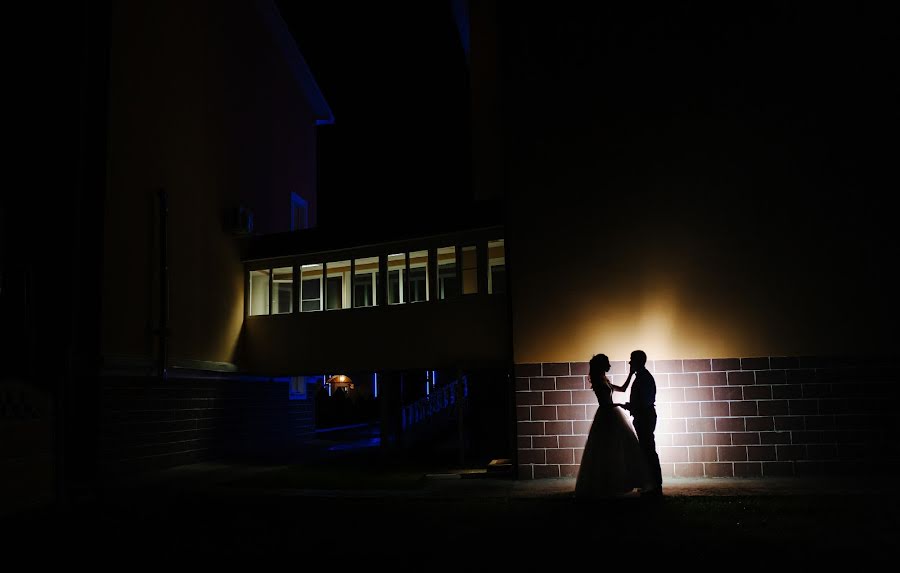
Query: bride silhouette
(612, 464)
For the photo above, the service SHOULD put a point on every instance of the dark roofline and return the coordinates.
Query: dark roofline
(484, 217)
(301, 72)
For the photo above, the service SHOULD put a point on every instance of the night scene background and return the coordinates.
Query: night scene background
(397, 79)
(274, 246)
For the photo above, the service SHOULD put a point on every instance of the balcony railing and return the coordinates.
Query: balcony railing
(441, 400)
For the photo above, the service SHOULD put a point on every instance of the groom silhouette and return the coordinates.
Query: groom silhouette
(642, 406)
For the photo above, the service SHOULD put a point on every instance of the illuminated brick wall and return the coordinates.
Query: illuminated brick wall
(151, 425)
(741, 417)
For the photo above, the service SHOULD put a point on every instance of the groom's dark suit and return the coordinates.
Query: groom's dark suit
(643, 409)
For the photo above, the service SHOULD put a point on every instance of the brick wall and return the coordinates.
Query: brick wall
(742, 417)
(146, 424)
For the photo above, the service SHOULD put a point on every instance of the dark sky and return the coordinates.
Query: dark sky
(399, 93)
(820, 80)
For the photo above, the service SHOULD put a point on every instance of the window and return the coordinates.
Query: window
(365, 282)
(418, 276)
(469, 270)
(311, 287)
(299, 213)
(448, 282)
(496, 267)
(337, 284)
(396, 272)
(259, 292)
(282, 290)
(298, 387)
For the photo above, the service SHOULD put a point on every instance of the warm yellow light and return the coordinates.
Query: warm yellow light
(664, 319)
(236, 315)
(340, 380)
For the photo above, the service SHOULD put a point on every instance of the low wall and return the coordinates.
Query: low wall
(741, 417)
(148, 424)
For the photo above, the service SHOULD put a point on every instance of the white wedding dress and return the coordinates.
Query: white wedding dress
(612, 464)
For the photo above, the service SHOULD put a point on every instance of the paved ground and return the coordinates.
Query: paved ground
(214, 512)
(453, 484)
(353, 508)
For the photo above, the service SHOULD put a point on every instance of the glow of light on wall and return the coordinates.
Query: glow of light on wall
(656, 325)
(659, 307)
(663, 322)
(236, 320)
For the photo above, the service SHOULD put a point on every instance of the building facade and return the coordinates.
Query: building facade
(657, 195)
(123, 311)
(694, 193)
(708, 197)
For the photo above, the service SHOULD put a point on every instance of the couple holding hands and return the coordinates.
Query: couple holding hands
(615, 460)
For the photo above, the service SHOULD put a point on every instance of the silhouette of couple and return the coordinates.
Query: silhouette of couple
(615, 461)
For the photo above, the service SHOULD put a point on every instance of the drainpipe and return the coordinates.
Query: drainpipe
(163, 284)
(460, 426)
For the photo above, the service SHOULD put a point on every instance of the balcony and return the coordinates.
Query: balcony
(423, 302)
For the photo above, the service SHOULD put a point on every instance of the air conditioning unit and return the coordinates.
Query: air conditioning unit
(242, 221)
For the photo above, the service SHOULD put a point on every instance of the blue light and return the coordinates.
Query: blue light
(375, 377)
(461, 17)
(360, 444)
(353, 436)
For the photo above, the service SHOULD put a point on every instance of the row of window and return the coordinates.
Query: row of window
(338, 284)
